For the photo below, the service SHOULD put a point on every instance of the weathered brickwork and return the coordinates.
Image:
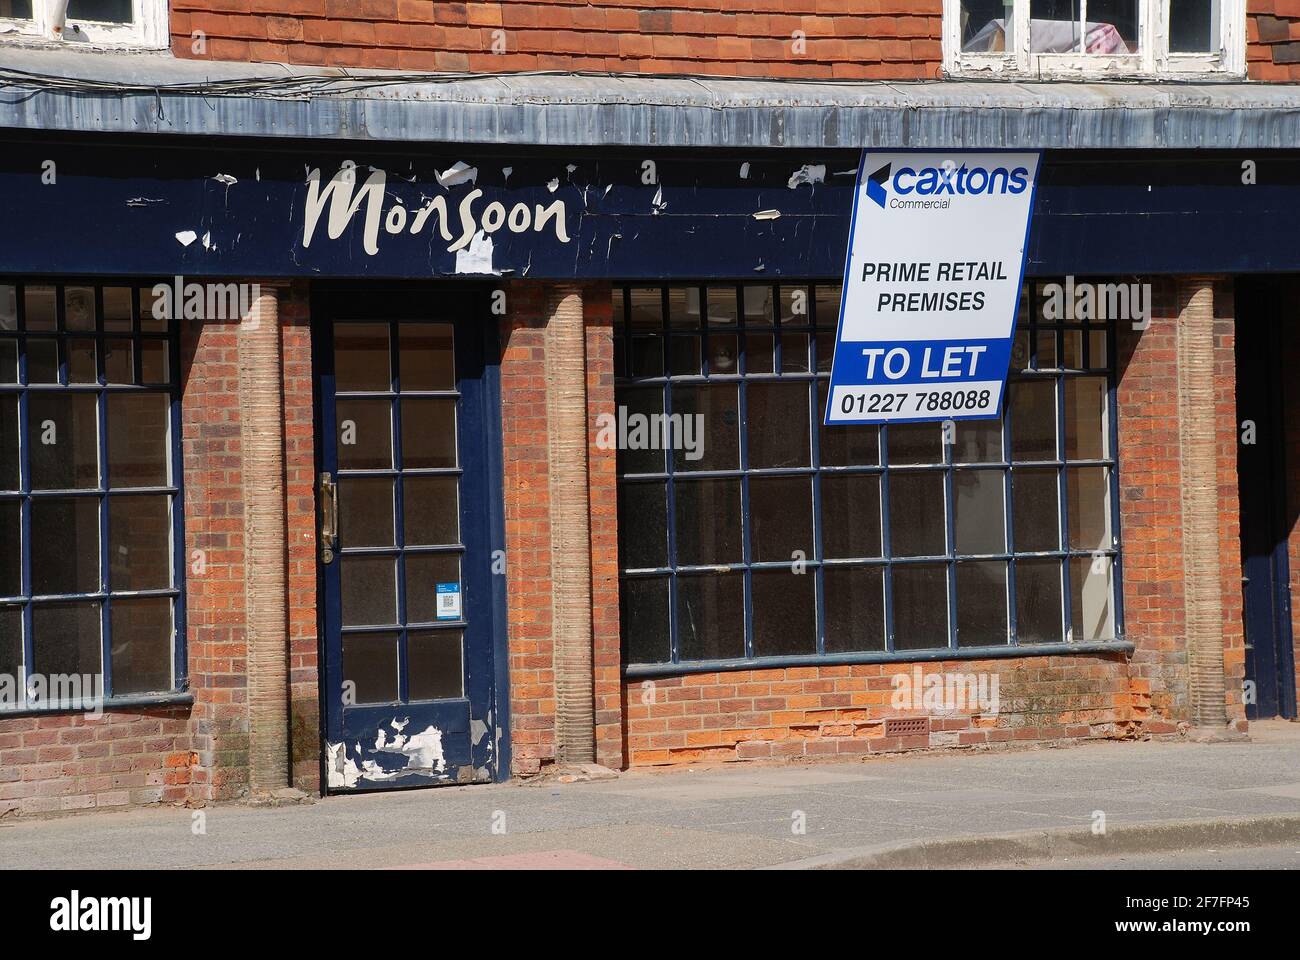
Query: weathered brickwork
(527, 513)
(841, 39)
(603, 493)
(1273, 40)
(300, 515)
(827, 39)
(527, 522)
(214, 533)
(841, 711)
(1225, 382)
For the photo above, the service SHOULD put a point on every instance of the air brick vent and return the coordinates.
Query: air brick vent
(907, 727)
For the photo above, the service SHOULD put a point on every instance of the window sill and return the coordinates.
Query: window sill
(983, 72)
(637, 671)
(180, 698)
(35, 42)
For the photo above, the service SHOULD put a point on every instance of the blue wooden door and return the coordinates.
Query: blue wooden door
(408, 489)
(1264, 312)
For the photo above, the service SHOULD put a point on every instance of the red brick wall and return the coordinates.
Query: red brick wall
(78, 762)
(300, 494)
(603, 486)
(840, 711)
(1273, 40)
(851, 39)
(1234, 602)
(214, 535)
(527, 521)
(1150, 502)
(527, 514)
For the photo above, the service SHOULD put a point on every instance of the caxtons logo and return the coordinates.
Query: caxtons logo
(941, 182)
(876, 185)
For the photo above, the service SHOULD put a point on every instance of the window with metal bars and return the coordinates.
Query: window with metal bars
(91, 555)
(749, 531)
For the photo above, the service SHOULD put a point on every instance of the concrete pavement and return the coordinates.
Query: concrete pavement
(738, 816)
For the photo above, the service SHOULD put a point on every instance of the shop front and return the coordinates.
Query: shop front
(356, 466)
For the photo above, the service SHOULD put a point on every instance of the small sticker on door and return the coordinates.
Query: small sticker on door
(448, 601)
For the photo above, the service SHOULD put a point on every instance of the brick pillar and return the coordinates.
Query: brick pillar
(566, 414)
(602, 485)
(261, 372)
(1197, 444)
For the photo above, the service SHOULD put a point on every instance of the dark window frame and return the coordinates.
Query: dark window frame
(1028, 329)
(103, 491)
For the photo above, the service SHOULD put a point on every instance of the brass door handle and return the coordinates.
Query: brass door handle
(329, 517)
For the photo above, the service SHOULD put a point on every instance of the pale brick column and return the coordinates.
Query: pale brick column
(1197, 444)
(566, 415)
(261, 372)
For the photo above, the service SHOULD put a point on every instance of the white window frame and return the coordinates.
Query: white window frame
(1155, 60)
(148, 29)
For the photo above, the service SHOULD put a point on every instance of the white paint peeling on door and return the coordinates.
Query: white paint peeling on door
(477, 730)
(423, 752)
(340, 769)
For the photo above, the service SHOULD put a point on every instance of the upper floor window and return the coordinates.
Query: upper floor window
(99, 23)
(1061, 39)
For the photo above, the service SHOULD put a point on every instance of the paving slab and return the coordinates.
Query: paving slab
(738, 816)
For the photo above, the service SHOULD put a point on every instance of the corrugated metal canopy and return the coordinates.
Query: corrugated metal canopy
(42, 89)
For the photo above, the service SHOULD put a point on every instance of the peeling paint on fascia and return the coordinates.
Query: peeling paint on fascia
(553, 184)
(144, 201)
(505, 173)
(809, 173)
(225, 178)
(477, 257)
(744, 170)
(186, 237)
(658, 202)
(458, 172)
(767, 215)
